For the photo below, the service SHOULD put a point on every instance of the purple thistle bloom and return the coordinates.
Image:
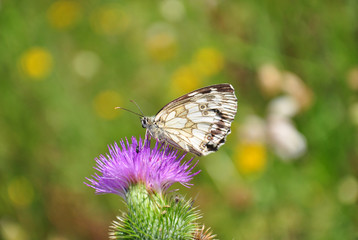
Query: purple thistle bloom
(158, 168)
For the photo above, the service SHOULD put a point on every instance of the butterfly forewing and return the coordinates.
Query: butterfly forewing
(199, 121)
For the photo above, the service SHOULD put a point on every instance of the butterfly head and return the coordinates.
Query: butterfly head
(146, 121)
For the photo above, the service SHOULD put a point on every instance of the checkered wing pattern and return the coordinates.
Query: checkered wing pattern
(199, 121)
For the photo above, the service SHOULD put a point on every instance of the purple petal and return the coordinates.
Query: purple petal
(158, 167)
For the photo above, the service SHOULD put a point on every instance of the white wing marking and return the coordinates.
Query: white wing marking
(183, 145)
(201, 119)
(186, 138)
(170, 116)
(178, 132)
(176, 123)
(175, 138)
(193, 114)
(194, 93)
(195, 142)
(199, 134)
(172, 131)
(202, 100)
(193, 109)
(203, 126)
(190, 105)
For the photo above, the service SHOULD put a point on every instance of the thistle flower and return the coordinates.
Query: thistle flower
(136, 163)
(141, 175)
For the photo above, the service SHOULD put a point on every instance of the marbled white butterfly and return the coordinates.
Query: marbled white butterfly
(197, 122)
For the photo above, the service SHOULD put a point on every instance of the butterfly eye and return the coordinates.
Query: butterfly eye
(144, 122)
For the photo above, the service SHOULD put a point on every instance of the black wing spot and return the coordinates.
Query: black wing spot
(216, 132)
(222, 141)
(204, 90)
(221, 114)
(220, 124)
(212, 147)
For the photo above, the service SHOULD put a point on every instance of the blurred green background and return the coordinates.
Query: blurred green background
(289, 168)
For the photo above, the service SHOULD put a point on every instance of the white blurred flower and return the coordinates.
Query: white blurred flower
(285, 106)
(348, 190)
(287, 142)
(86, 64)
(172, 10)
(253, 129)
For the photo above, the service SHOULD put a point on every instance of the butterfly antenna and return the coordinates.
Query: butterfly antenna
(129, 111)
(137, 106)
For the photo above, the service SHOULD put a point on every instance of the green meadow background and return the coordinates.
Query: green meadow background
(289, 168)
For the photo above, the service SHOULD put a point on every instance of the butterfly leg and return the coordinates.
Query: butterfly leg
(147, 138)
(146, 134)
(165, 144)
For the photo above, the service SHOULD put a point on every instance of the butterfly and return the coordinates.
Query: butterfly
(197, 122)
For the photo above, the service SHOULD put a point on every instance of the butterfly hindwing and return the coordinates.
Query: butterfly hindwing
(199, 121)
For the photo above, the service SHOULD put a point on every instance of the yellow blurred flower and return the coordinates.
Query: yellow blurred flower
(250, 157)
(110, 20)
(64, 14)
(21, 192)
(185, 79)
(161, 46)
(208, 61)
(36, 63)
(104, 104)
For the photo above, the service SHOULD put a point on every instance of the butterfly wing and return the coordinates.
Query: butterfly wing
(199, 121)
